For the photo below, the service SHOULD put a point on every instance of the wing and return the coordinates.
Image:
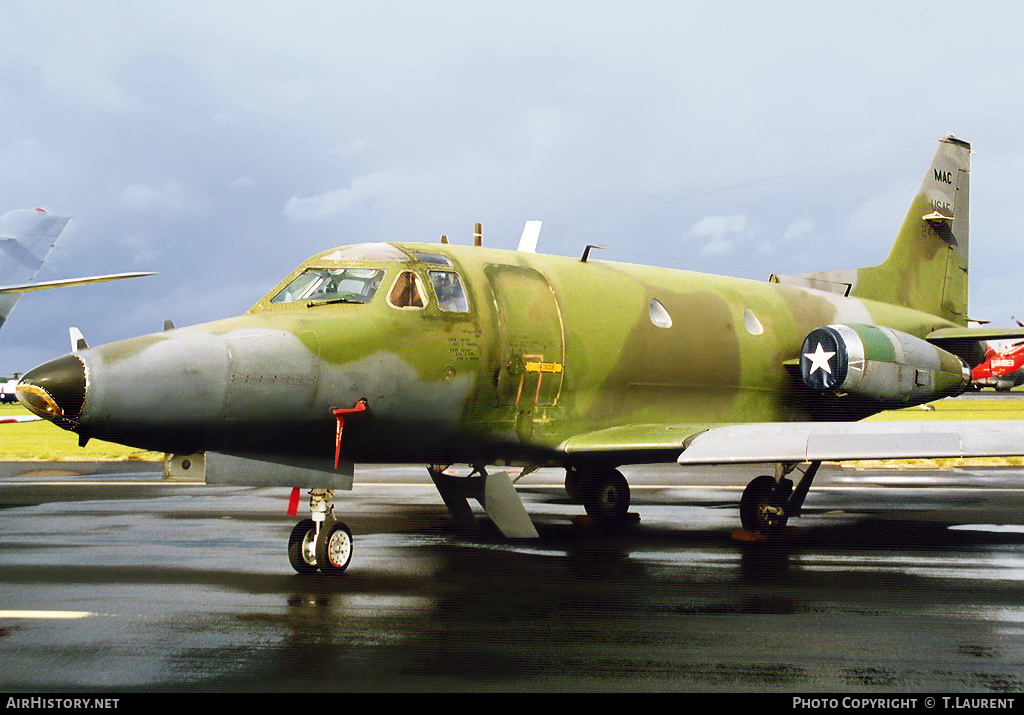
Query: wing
(635, 443)
(799, 441)
(837, 441)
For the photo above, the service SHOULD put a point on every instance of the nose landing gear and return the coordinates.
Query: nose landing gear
(321, 543)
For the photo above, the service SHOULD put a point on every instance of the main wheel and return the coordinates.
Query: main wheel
(302, 547)
(606, 494)
(762, 505)
(334, 547)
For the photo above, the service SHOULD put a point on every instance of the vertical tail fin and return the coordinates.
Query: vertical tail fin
(26, 237)
(927, 265)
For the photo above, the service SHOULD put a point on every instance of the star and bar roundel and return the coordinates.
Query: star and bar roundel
(823, 359)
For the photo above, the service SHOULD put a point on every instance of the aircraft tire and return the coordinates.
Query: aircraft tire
(606, 494)
(334, 548)
(301, 547)
(759, 494)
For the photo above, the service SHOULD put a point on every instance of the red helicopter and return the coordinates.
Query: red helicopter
(1003, 369)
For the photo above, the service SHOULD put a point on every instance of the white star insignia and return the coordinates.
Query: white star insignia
(819, 359)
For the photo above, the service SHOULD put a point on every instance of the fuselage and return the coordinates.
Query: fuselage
(460, 354)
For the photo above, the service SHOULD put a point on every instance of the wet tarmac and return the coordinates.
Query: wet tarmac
(891, 582)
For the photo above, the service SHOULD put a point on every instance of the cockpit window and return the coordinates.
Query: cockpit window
(434, 258)
(365, 252)
(341, 285)
(408, 291)
(451, 296)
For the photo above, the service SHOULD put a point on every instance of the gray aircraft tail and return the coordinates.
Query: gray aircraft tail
(26, 238)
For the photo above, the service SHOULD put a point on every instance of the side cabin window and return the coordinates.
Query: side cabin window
(451, 296)
(751, 323)
(341, 285)
(659, 316)
(407, 292)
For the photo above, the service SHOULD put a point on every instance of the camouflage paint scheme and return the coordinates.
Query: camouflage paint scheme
(556, 361)
(445, 354)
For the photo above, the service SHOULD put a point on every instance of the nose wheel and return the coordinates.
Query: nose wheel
(334, 548)
(320, 544)
(302, 547)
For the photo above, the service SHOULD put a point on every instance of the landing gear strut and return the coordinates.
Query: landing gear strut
(321, 543)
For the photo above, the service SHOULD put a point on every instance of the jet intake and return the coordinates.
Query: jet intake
(880, 363)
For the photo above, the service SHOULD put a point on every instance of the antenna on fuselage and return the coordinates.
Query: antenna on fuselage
(531, 234)
(77, 340)
(478, 234)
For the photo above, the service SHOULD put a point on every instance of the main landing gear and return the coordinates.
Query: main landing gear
(321, 543)
(603, 491)
(768, 502)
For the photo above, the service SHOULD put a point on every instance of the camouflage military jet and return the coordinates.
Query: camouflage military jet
(443, 354)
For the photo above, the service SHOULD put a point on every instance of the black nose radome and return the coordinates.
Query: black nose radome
(54, 390)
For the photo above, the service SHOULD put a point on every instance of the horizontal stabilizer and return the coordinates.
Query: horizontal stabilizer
(976, 334)
(63, 282)
(838, 441)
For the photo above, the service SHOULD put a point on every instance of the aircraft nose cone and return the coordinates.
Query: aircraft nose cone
(54, 390)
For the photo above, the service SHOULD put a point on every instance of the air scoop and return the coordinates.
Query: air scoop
(54, 390)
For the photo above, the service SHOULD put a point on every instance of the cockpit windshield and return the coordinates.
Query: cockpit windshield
(332, 285)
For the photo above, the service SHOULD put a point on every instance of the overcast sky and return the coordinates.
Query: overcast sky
(221, 143)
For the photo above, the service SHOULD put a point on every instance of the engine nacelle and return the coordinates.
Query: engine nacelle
(880, 363)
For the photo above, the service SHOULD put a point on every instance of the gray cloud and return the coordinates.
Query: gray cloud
(222, 143)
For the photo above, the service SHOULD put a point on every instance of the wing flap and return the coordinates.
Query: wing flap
(634, 437)
(838, 441)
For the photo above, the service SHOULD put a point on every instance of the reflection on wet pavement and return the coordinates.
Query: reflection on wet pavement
(189, 589)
